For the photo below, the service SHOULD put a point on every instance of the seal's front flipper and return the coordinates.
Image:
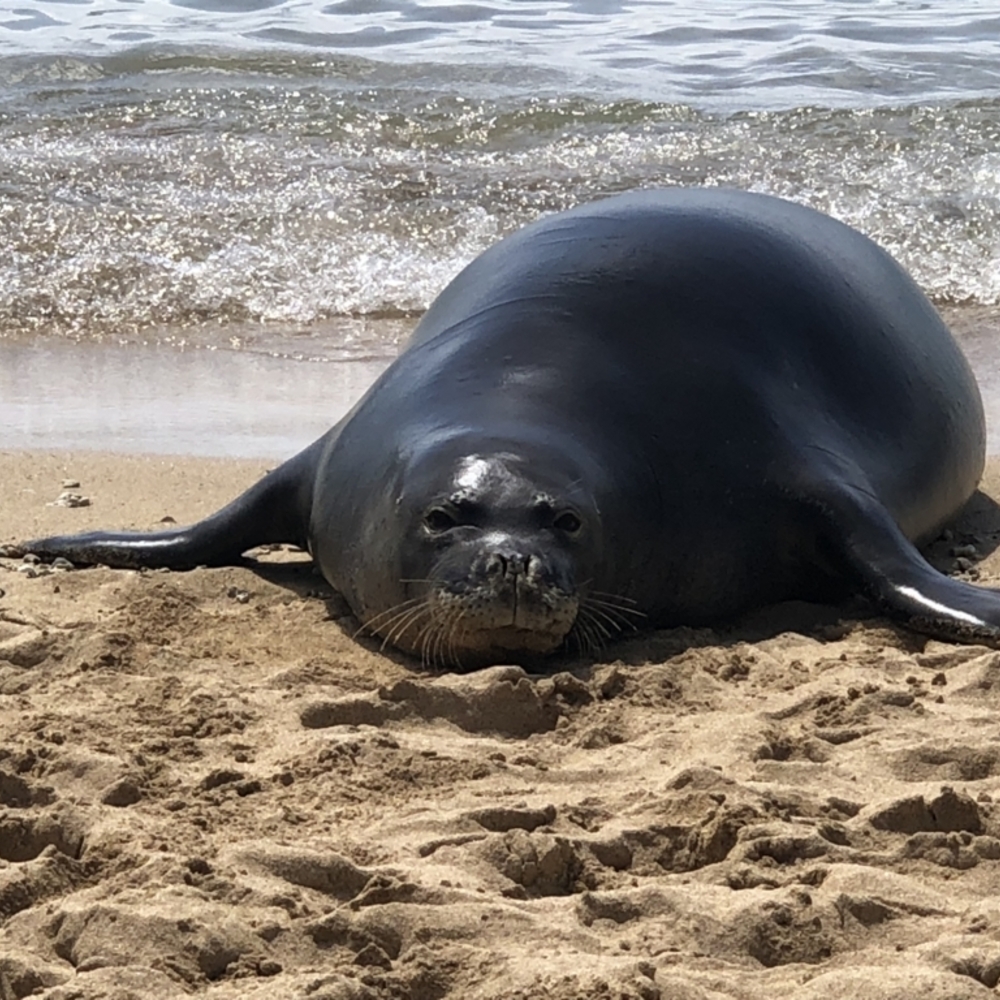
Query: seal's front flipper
(275, 509)
(870, 547)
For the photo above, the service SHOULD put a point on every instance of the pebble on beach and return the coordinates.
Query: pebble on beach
(67, 499)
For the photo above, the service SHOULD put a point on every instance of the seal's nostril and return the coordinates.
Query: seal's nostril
(508, 564)
(517, 564)
(496, 565)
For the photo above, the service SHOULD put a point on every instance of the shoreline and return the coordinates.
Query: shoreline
(210, 401)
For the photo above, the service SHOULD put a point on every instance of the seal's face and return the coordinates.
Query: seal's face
(492, 562)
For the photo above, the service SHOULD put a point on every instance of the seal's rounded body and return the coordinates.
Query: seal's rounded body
(680, 404)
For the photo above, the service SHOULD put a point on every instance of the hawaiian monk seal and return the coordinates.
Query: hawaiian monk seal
(674, 404)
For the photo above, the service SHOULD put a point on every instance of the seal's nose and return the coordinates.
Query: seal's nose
(508, 563)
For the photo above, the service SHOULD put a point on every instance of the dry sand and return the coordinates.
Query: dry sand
(208, 786)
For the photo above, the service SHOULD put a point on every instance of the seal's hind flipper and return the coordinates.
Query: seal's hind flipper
(871, 548)
(275, 509)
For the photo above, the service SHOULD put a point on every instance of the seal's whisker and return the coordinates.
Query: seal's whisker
(620, 614)
(597, 623)
(575, 636)
(615, 621)
(593, 644)
(388, 626)
(610, 601)
(446, 644)
(407, 620)
(452, 648)
(434, 643)
(587, 632)
(441, 646)
(584, 646)
(426, 652)
(374, 622)
(618, 626)
(572, 637)
(587, 623)
(616, 608)
(584, 639)
(424, 638)
(437, 648)
(421, 637)
(614, 597)
(394, 609)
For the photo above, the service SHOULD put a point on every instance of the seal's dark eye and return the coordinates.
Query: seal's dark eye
(438, 520)
(568, 521)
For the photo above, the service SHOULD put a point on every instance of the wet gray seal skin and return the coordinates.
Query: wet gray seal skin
(663, 408)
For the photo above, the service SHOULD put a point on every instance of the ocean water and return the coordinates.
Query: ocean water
(293, 182)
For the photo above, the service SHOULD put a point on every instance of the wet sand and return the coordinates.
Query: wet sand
(257, 391)
(209, 786)
(151, 399)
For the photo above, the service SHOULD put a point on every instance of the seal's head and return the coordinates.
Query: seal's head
(496, 555)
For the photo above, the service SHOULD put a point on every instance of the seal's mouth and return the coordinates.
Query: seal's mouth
(475, 626)
(470, 628)
(512, 617)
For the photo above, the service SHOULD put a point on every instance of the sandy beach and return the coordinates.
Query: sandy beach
(209, 786)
